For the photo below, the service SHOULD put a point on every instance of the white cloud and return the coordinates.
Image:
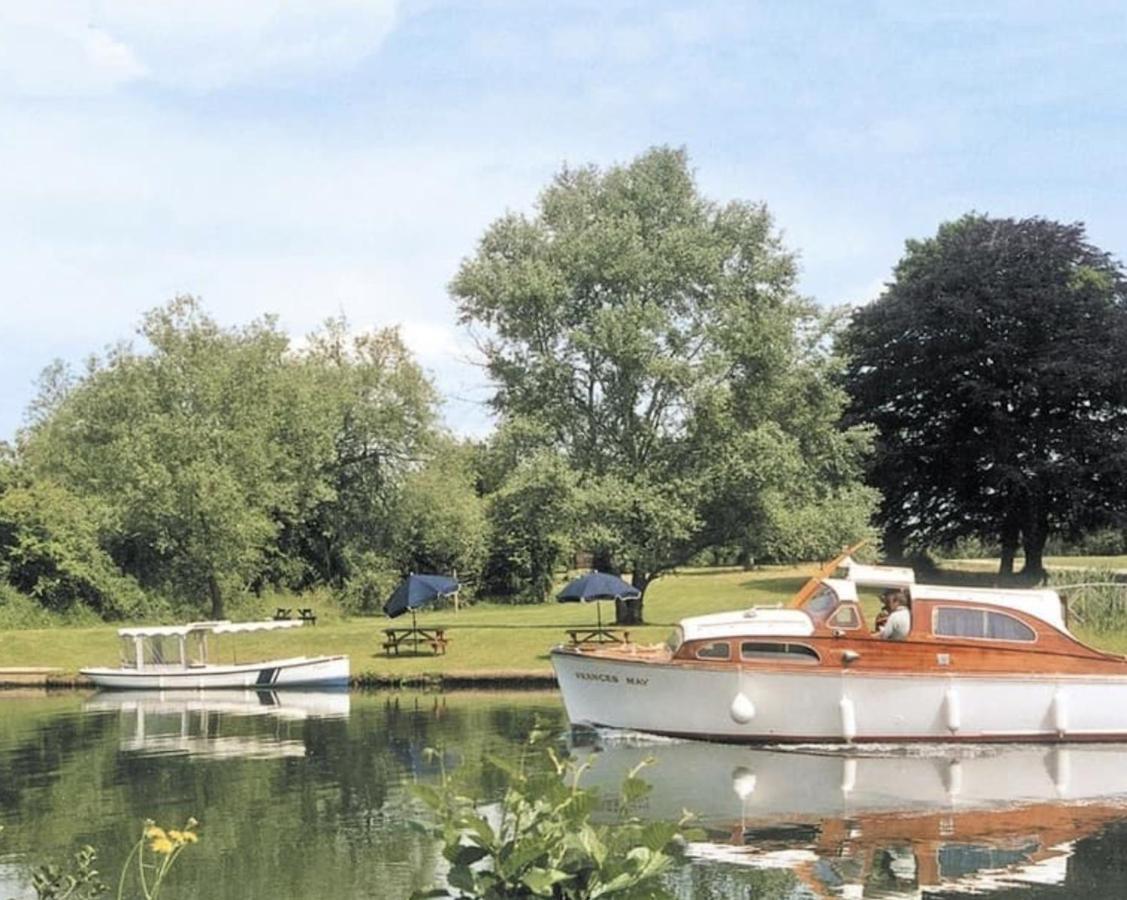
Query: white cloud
(67, 48)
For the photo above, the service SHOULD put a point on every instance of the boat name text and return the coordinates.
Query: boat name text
(611, 679)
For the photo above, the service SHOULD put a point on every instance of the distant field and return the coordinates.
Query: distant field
(1118, 563)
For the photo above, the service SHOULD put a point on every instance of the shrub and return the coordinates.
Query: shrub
(540, 841)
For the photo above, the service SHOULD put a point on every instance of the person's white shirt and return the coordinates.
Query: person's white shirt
(897, 626)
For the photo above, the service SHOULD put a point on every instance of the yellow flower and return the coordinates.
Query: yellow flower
(161, 844)
(155, 832)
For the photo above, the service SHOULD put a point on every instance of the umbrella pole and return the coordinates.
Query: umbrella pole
(415, 629)
(599, 612)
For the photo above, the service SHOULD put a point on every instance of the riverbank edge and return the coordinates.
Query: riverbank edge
(56, 679)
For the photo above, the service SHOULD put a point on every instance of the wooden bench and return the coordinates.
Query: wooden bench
(282, 613)
(396, 639)
(307, 615)
(598, 635)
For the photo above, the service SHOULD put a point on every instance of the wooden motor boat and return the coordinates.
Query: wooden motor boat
(978, 664)
(176, 657)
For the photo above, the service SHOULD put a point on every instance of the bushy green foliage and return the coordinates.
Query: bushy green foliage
(50, 550)
(532, 525)
(440, 521)
(991, 369)
(654, 340)
(540, 840)
(216, 460)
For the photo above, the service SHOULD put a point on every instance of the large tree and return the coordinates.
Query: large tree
(992, 367)
(220, 457)
(654, 337)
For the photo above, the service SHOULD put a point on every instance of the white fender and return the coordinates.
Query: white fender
(1060, 770)
(742, 709)
(743, 782)
(953, 779)
(848, 719)
(1058, 712)
(952, 713)
(848, 775)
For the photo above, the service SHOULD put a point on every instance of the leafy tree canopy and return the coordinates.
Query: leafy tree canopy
(221, 457)
(656, 340)
(992, 370)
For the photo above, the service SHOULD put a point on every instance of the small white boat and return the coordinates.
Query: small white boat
(176, 657)
(977, 664)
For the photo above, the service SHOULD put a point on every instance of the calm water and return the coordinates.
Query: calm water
(304, 796)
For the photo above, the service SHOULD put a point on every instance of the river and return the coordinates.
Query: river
(304, 795)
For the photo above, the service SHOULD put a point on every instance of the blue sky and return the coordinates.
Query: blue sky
(324, 156)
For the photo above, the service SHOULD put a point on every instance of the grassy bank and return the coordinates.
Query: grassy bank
(486, 640)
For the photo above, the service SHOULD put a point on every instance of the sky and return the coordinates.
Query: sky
(322, 157)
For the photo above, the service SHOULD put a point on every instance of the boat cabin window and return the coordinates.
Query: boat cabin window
(954, 621)
(129, 653)
(846, 616)
(715, 650)
(161, 650)
(797, 654)
(820, 603)
(195, 648)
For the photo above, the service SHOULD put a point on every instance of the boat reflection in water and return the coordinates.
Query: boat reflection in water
(891, 821)
(219, 724)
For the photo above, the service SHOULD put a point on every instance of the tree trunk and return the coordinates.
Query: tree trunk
(1034, 535)
(892, 543)
(631, 612)
(217, 611)
(1011, 535)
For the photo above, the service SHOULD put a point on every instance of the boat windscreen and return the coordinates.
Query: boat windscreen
(821, 603)
(128, 653)
(675, 640)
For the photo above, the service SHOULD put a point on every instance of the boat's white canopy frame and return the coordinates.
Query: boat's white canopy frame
(223, 626)
(134, 640)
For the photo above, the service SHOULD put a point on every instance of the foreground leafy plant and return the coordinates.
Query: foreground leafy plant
(540, 841)
(155, 852)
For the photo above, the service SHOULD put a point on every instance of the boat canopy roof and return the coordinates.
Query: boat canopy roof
(748, 623)
(220, 627)
(1042, 603)
(877, 576)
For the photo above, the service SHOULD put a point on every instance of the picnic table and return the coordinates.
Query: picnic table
(410, 638)
(598, 635)
(304, 613)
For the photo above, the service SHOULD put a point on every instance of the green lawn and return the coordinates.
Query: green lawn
(485, 640)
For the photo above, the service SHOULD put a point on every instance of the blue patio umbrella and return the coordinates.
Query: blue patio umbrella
(418, 590)
(597, 586)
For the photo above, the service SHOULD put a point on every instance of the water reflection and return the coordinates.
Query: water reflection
(207, 725)
(886, 822)
(299, 795)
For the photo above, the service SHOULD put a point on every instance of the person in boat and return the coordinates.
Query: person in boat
(898, 622)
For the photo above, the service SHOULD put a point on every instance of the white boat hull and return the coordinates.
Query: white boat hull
(758, 706)
(320, 671)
